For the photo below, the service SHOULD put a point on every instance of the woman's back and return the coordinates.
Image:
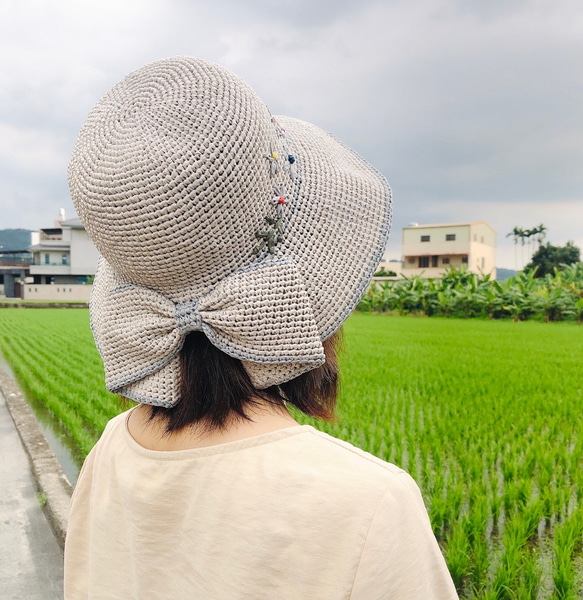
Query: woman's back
(234, 244)
(293, 513)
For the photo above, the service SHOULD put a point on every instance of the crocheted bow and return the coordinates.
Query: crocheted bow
(142, 330)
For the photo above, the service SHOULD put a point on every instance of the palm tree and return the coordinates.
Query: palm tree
(515, 233)
(541, 232)
(528, 234)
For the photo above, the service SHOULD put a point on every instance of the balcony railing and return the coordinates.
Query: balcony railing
(15, 261)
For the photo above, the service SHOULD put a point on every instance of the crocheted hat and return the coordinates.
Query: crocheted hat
(212, 215)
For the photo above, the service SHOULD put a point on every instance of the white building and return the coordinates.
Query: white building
(430, 249)
(64, 259)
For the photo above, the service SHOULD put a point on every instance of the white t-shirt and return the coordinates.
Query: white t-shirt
(290, 515)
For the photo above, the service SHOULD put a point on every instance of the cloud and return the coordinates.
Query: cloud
(468, 107)
(31, 149)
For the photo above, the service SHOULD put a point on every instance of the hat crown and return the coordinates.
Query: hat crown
(170, 178)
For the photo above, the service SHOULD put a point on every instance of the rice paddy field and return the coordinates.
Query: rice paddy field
(485, 415)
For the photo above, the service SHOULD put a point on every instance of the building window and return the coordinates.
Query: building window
(423, 262)
(483, 262)
(64, 259)
(445, 260)
(450, 237)
(425, 238)
(47, 259)
(465, 260)
(411, 260)
(434, 261)
(482, 239)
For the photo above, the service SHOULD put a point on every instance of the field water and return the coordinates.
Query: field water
(485, 415)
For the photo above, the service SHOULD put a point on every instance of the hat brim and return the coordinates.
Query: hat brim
(340, 225)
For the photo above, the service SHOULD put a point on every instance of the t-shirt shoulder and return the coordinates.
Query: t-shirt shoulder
(117, 424)
(358, 455)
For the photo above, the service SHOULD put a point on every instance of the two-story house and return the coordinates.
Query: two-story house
(64, 259)
(430, 249)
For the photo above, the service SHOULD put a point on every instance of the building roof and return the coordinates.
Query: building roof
(467, 223)
(74, 223)
(50, 245)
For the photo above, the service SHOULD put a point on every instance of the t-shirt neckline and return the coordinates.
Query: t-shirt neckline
(225, 448)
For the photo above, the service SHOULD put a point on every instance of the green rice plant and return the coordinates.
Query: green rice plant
(567, 540)
(53, 354)
(457, 554)
(484, 413)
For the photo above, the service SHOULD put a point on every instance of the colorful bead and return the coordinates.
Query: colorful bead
(270, 237)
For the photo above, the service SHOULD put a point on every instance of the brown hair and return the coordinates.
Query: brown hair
(216, 388)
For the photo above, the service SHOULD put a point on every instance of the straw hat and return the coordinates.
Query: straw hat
(212, 215)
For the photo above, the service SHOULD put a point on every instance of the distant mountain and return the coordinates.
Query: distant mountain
(504, 274)
(14, 239)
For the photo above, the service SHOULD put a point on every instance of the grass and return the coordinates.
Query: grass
(484, 414)
(15, 301)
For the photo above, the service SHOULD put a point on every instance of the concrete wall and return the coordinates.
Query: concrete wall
(50, 269)
(84, 254)
(55, 257)
(482, 256)
(57, 292)
(437, 244)
(483, 234)
(482, 259)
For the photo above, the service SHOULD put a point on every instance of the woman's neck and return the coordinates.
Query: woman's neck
(263, 418)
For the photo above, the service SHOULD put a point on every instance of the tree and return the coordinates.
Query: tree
(536, 235)
(515, 233)
(549, 257)
(382, 272)
(540, 233)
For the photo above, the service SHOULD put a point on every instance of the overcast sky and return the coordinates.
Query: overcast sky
(473, 109)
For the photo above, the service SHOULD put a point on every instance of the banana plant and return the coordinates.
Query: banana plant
(552, 301)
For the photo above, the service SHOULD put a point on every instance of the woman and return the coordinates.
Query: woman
(234, 245)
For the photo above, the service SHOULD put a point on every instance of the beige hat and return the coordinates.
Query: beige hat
(212, 215)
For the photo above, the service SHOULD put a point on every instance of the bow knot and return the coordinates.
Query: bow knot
(188, 317)
(260, 314)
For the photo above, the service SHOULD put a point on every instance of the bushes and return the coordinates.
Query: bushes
(463, 294)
